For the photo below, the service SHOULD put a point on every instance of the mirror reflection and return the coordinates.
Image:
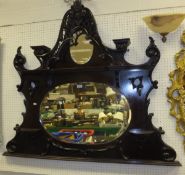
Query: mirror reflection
(85, 113)
(82, 49)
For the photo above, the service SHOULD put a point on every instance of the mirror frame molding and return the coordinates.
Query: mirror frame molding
(140, 144)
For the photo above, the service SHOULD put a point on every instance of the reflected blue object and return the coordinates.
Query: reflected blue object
(78, 136)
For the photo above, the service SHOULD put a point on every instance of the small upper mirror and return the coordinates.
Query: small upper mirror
(81, 51)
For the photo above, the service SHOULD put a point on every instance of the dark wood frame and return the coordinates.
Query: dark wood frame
(141, 143)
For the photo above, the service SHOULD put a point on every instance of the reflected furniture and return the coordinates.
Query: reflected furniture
(66, 78)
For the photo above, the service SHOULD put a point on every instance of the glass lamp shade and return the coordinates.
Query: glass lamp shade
(164, 24)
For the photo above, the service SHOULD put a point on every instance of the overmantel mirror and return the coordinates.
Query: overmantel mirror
(86, 102)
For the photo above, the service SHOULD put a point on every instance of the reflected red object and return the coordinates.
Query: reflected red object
(89, 132)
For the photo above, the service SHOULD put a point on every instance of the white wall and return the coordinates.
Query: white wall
(13, 173)
(26, 11)
(111, 26)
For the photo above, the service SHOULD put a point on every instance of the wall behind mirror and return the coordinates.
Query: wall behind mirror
(37, 10)
(111, 26)
(1, 124)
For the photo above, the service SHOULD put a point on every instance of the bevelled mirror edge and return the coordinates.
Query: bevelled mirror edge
(85, 113)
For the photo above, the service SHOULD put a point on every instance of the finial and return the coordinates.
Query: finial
(73, 1)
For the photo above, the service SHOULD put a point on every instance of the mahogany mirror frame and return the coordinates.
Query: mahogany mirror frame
(140, 144)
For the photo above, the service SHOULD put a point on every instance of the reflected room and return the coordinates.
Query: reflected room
(85, 113)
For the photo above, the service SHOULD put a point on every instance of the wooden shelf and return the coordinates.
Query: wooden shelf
(83, 159)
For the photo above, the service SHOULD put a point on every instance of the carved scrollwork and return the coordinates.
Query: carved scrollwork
(168, 154)
(137, 83)
(19, 60)
(11, 147)
(153, 53)
(78, 17)
(41, 53)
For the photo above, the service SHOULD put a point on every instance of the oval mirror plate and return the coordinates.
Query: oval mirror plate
(85, 113)
(81, 52)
